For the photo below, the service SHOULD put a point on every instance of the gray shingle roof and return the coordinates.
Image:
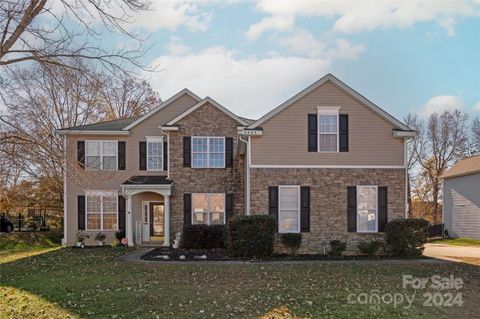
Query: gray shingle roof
(115, 125)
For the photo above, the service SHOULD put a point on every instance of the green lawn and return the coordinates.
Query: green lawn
(90, 283)
(457, 241)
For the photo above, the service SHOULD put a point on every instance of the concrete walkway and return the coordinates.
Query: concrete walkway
(451, 253)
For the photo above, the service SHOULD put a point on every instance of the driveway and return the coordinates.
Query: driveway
(452, 253)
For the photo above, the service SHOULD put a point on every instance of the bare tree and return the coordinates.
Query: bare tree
(413, 122)
(438, 146)
(127, 97)
(474, 138)
(63, 33)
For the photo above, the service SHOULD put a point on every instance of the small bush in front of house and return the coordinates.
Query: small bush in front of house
(370, 248)
(203, 236)
(251, 237)
(406, 237)
(292, 241)
(337, 248)
(119, 235)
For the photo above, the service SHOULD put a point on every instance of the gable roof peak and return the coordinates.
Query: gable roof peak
(330, 77)
(162, 105)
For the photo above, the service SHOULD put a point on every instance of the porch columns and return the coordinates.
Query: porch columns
(129, 221)
(166, 220)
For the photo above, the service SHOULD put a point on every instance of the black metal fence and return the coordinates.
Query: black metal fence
(435, 230)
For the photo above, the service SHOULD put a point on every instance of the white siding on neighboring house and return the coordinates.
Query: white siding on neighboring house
(462, 206)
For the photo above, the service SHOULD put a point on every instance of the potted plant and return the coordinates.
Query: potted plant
(100, 238)
(80, 240)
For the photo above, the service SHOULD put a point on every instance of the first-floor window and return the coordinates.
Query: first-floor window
(208, 208)
(289, 209)
(102, 211)
(367, 211)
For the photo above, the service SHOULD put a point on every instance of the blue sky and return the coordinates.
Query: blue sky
(251, 56)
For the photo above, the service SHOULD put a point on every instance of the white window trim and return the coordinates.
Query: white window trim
(376, 210)
(208, 151)
(328, 110)
(155, 139)
(101, 194)
(280, 208)
(209, 212)
(101, 155)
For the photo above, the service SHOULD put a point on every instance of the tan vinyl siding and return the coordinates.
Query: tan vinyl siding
(284, 139)
(79, 180)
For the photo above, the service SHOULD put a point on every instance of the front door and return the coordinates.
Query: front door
(156, 221)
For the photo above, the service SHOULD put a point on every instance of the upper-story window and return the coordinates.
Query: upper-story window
(101, 155)
(208, 152)
(328, 129)
(155, 154)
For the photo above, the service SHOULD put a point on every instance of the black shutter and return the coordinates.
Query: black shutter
(312, 133)
(81, 212)
(187, 209)
(165, 156)
(228, 207)
(382, 208)
(228, 151)
(273, 202)
(143, 156)
(187, 151)
(352, 209)
(305, 209)
(121, 155)
(122, 210)
(81, 153)
(343, 132)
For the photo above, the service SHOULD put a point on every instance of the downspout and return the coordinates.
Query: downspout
(168, 151)
(65, 224)
(407, 180)
(247, 182)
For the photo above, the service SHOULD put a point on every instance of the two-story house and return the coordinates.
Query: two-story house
(328, 163)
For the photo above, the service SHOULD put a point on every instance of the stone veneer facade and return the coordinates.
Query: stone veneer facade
(205, 121)
(328, 200)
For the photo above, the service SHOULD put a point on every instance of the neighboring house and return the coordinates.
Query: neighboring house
(461, 199)
(327, 163)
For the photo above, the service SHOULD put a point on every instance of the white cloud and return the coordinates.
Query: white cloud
(272, 23)
(476, 107)
(441, 103)
(176, 47)
(249, 86)
(303, 42)
(352, 17)
(171, 15)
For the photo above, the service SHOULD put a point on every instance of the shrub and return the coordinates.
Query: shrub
(203, 236)
(292, 241)
(119, 235)
(337, 248)
(251, 236)
(369, 248)
(407, 237)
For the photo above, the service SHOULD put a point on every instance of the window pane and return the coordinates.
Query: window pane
(93, 221)
(367, 209)
(109, 148)
(154, 163)
(93, 204)
(199, 160)
(109, 221)
(217, 218)
(217, 202)
(92, 148)
(288, 197)
(217, 160)
(200, 209)
(93, 162)
(288, 221)
(199, 144)
(109, 163)
(200, 218)
(216, 144)
(328, 124)
(328, 142)
(110, 204)
(155, 148)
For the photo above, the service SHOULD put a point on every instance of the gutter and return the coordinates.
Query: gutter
(83, 132)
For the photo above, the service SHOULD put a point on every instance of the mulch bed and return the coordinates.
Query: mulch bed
(158, 254)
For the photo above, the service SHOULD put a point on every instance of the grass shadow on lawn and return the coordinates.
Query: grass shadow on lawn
(90, 283)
